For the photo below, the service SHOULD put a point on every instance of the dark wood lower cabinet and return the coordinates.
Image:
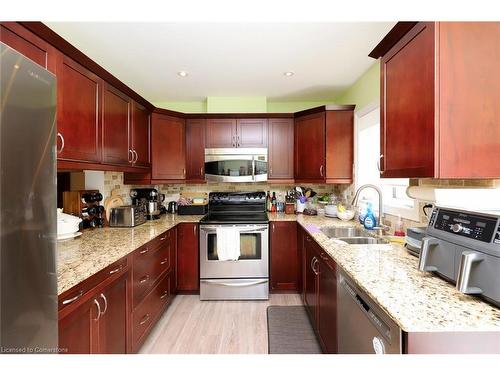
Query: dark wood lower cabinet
(285, 257)
(78, 330)
(310, 271)
(188, 258)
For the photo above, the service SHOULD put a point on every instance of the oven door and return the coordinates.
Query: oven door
(254, 258)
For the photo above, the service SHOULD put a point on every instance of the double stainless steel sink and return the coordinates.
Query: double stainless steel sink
(353, 235)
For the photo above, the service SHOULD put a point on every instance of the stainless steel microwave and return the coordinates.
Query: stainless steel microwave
(236, 164)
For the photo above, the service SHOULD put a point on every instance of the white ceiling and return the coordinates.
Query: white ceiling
(229, 59)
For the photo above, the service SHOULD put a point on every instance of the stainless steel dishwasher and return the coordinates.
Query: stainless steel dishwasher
(362, 326)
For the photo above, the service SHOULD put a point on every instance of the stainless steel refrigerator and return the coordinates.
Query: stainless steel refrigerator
(28, 279)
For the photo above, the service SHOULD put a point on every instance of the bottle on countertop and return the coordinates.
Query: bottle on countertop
(268, 202)
(399, 231)
(273, 202)
(370, 221)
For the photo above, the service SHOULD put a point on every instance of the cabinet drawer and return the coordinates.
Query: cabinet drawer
(147, 269)
(146, 313)
(76, 294)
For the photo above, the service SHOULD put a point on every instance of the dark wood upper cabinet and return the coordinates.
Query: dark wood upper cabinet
(440, 90)
(140, 135)
(221, 133)
(78, 112)
(28, 44)
(310, 148)
(339, 146)
(407, 113)
(195, 150)
(117, 147)
(251, 133)
(281, 149)
(168, 148)
(188, 275)
(285, 257)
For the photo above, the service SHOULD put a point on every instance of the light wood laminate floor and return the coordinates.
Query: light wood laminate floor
(191, 326)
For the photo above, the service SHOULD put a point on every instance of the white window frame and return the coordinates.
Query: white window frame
(405, 212)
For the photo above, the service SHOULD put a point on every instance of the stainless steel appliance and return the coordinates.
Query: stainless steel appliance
(150, 199)
(172, 207)
(28, 278)
(248, 276)
(236, 164)
(413, 240)
(463, 247)
(127, 216)
(363, 327)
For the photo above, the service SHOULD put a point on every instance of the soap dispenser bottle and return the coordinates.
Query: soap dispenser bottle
(370, 221)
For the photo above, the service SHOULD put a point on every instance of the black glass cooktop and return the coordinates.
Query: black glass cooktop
(235, 218)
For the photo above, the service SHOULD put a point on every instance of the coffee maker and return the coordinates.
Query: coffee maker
(151, 200)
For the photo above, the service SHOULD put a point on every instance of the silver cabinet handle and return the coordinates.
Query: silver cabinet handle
(467, 260)
(144, 251)
(116, 270)
(379, 163)
(129, 158)
(59, 135)
(136, 156)
(165, 294)
(98, 310)
(427, 242)
(163, 238)
(68, 301)
(105, 303)
(316, 262)
(145, 318)
(194, 230)
(321, 170)
(144, 279)
(164, 261)
(312, 263)
(201, 171)
(183, 171)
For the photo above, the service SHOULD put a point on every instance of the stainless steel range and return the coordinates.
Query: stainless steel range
(234, 247)
(463, 247)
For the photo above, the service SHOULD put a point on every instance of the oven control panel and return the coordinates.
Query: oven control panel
(237, 198)
(473, 226)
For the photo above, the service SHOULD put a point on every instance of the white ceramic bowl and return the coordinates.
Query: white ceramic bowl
(331, 210)
(346, 215)
(67, 224)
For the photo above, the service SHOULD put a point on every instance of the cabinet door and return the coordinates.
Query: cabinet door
(251, 133)
(115, 125)
(339, 146)
(140, 135)
(327, 304)
(28, 44)
(310, 279)
(168, 148)
(310, 148)
(195, 149)
(78, 330)
(280, 149)
(113, 323)
(285, 274)
(407, 106)
(78, 112)
(188, 275)
(221, 133)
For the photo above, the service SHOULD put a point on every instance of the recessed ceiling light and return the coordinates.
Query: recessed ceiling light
(182, 73)
(288, 74)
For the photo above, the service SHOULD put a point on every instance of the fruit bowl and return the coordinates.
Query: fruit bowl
(346, 215)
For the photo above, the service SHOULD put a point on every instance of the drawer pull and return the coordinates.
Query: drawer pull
(144, 320)
(68, 301)
(116, 270)
(144, 279)
(144, 251)
(164, 261)
(163, 238)
(165, 294)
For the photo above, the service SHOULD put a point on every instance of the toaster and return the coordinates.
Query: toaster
(127, 216)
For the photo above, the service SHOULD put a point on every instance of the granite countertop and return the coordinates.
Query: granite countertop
(418, 302)
(94, 250)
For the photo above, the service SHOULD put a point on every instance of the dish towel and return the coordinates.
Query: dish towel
(228, 243)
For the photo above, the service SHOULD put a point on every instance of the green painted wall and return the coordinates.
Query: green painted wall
(365, 90)
(236, 104)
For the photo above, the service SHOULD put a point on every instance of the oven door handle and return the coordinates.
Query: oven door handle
(257, 229)
(250, 283)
